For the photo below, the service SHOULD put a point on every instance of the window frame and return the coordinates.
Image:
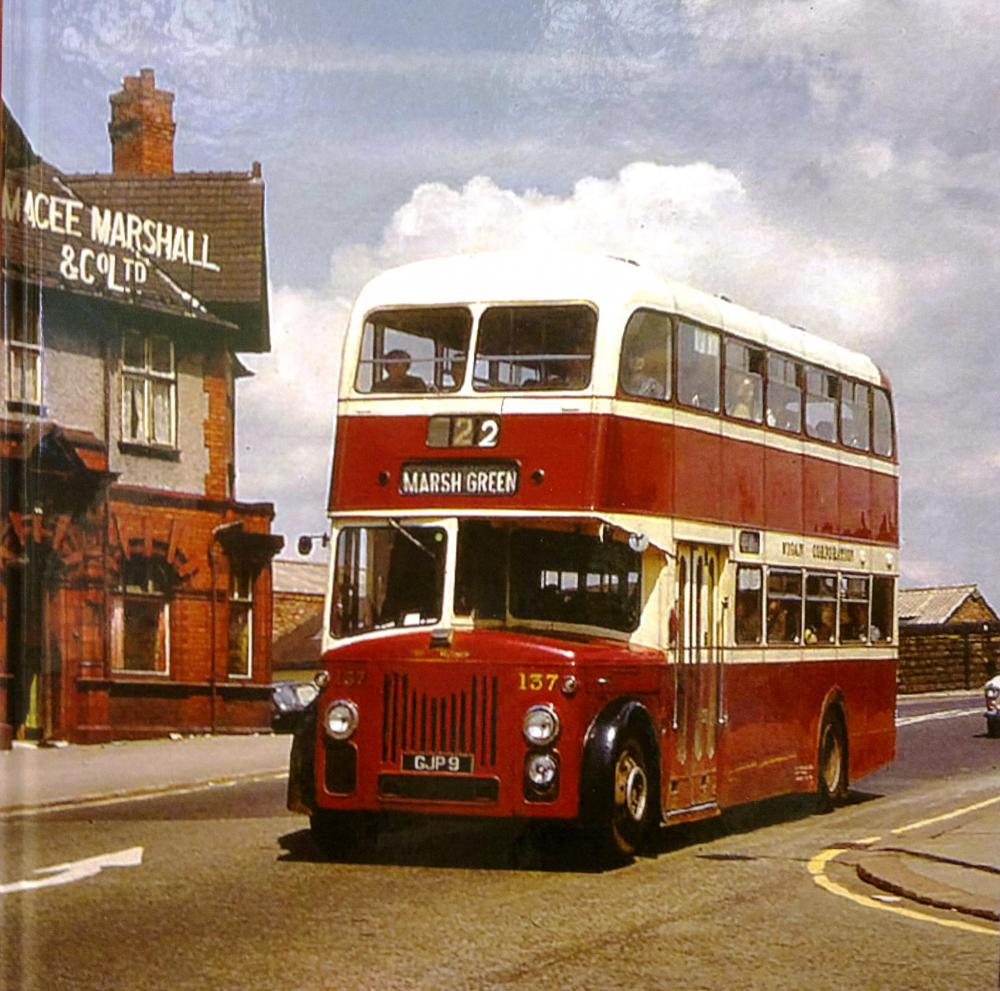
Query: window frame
(746, 372)
(147, 376)
(23, 309)
(552, 382)
(669, 353)
(156, 590)
(241, 602)
(681, 324)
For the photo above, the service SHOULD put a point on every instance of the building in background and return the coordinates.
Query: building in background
(949, 638)
(135, 590)
(299, 588)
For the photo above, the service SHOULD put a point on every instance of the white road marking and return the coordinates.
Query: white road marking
(942, 714)
(76, 870)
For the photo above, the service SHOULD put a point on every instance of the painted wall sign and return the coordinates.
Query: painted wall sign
(112, 249)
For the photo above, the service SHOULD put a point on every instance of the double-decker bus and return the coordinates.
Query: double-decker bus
(604, 549)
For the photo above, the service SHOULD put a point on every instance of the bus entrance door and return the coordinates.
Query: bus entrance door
(689, 785)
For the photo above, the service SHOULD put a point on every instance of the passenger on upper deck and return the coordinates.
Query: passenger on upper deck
(397, 375)
(637, 381)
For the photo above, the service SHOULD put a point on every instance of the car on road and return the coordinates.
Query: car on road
(289, 699)
(992, 693)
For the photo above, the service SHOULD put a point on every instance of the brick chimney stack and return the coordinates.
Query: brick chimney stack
(142, 128)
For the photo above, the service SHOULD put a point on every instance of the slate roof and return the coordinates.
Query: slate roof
(298, 577)
(931, 606)
(225, 207)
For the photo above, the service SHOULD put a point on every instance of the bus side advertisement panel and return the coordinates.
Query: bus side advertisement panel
(783, 488)
(820, 501)
(854, 501)
(697, 474)
(885, 508)
(639, 461)
(742, 494)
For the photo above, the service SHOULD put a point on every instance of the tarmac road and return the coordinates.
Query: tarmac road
(229, 893)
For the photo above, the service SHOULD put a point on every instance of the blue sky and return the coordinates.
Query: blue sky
(832, 164)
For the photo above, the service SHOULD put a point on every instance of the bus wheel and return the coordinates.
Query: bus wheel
(631, 799)
(832, 768)
(344, 835)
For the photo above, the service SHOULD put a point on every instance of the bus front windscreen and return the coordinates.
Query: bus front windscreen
(387, 576)
(546, 575)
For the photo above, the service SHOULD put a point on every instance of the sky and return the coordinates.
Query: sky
(834, 164)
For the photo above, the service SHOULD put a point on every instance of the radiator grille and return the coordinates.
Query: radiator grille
(463, 721)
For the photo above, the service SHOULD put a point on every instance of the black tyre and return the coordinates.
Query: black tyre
(344, 835)
(631, 799)
(832, 764)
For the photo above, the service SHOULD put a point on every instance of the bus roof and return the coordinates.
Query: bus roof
(615, 285)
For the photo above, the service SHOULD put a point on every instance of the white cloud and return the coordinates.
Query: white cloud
(917, 64)
(695, 222)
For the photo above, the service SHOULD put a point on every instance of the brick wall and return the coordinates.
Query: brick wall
(291, 609)
(945, 658)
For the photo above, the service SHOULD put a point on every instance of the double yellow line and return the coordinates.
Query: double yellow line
(817, 868)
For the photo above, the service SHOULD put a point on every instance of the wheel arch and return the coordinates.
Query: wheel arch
(605, 730)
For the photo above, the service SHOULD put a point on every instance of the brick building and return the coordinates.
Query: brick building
(299, 588)
(949, 638)
(135, 590)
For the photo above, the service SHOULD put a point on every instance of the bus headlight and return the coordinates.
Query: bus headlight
(341, 719)
(541, 770)
(541, 725)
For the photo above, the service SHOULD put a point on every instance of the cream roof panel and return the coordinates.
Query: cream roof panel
(614, 285)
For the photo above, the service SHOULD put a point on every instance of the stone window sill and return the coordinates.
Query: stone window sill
(149, 451)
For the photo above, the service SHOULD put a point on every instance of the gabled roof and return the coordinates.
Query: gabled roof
(198, 238)
(932, 606)
(300, 647)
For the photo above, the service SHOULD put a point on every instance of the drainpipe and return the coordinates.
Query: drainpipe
(212, 680)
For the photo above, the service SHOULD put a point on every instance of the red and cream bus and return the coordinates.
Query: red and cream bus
(604, 549)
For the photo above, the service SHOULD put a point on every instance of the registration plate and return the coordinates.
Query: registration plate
(453, 763)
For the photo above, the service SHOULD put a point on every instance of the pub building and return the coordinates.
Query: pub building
(135, 590)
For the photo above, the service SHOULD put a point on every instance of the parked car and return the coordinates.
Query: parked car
(992, 692)
(289, 699)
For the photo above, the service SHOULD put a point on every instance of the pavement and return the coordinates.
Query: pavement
(952, 863)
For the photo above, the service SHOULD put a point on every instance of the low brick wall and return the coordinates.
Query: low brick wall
(941, 658)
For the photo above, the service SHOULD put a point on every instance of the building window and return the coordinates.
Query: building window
(141, 618)
(240, 650)
(149, 390)
(23, 339)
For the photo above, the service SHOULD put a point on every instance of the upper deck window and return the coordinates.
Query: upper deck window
(881, 423)
(784, 394)
(698, 361)
(744, 381)
(414, 350)
(646, 356)
(822, 393)
(854, 415)
(534, 347)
